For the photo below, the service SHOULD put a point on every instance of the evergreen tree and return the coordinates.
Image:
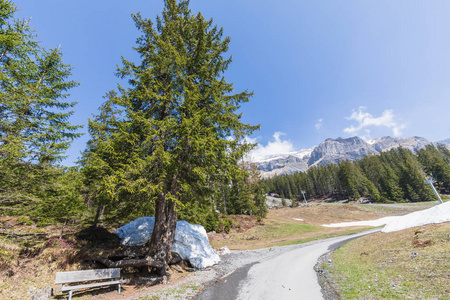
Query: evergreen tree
(259, 199)
(178, 132)
(435, 165)
(411, 179)
(349, 179)
(390, 185)
(34, 117)
(34, 125)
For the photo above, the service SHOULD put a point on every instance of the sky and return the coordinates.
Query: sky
(318, 69)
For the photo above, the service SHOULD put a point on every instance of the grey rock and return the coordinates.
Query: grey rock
(387, 143)
(42, 294)
(334, 150)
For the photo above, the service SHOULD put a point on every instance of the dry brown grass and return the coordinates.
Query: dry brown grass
(281, 226)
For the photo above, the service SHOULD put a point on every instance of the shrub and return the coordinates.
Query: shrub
(227, 226)
(22, 220)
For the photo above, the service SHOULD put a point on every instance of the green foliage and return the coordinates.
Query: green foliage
(212, 222)
(435, 161)
(22, 219)
(34, 124)
(227, 225)
(61, 199)
(170, 142)
(396, 175)
(46, 194)
(245, 194)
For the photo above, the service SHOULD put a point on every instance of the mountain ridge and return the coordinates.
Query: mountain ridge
(334, 150)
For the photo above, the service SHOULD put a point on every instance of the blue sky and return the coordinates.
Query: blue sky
(319, 69)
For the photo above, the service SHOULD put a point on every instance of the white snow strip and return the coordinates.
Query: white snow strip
(378, 222)
(298, 219)
(434, 215)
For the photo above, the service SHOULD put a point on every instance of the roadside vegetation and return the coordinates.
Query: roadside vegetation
(409, 264)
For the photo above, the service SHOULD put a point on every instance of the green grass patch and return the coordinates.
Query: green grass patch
(408, 264)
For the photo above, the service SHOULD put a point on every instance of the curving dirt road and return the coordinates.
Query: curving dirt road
(286, 273)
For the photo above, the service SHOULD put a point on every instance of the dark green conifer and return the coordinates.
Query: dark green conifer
(179, 131)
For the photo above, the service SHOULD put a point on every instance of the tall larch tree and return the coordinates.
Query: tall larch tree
(179, 131)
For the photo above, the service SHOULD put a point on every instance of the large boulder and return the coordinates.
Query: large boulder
(191, 241)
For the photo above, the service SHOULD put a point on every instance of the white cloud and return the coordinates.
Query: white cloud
(318, 124)
(273, 148)
(365, 119)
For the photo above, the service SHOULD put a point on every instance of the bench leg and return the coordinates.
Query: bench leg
(70, 295)
(119, 288)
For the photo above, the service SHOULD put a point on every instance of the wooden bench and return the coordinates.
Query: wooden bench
(88, 275)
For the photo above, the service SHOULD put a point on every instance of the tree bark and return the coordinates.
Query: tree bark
(163, 233)
(97, 215)
(147, 261)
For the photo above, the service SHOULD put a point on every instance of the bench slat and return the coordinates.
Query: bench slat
(86, 275)
(84, 286)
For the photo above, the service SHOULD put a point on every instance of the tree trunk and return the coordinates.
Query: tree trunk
(159, 254)
(163, 233)
(97, 215)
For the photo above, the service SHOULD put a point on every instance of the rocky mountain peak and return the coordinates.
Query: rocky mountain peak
(334, 150)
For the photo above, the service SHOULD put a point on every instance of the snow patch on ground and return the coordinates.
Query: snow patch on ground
(375, 223)
(191, 241)
(298, 219)
(434, 215)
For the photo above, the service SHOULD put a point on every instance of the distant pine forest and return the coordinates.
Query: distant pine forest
(397, 175)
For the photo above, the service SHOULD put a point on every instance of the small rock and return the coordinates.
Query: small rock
(222, 251)
(414, 255)
(329, 261)
(42, 294)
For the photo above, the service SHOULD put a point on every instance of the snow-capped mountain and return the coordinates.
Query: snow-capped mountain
(334, 150)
